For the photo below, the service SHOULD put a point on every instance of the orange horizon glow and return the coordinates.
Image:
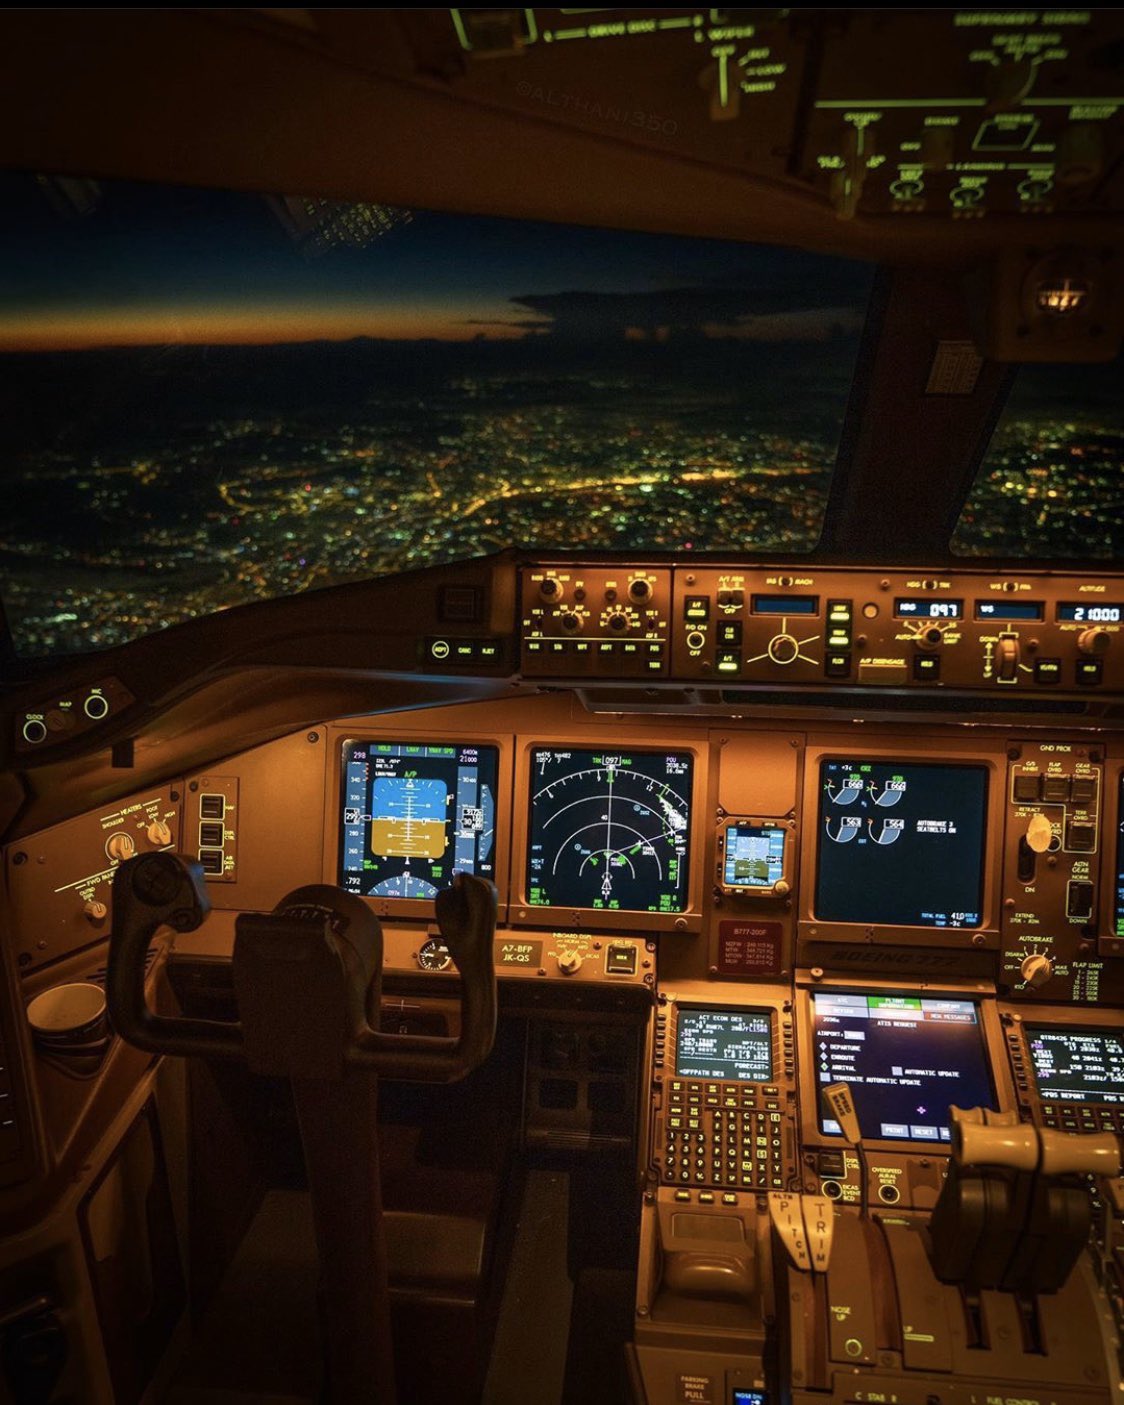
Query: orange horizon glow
(97, 329)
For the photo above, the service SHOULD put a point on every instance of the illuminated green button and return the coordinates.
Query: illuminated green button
(534, 646)
(439, 649)
(582, 646)
(730, 661)
(696, 607)
(488, 651)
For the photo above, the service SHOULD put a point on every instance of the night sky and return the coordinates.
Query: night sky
(155, 266)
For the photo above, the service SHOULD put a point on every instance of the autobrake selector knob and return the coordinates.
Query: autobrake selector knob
(569, 962)
(1036, 970)
(1094, 641)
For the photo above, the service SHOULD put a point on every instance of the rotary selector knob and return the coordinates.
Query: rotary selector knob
(781, 888)
(96, 912)
(783, 649)
(551, 589)
(1036, 970)
(120, 846)
(617, 622)
(1094, 641)
(158, 834)
(569, 962)
(640, 590)
(928, 636)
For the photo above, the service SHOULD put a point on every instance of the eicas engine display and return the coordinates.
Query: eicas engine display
(414, 815)
(901, 844)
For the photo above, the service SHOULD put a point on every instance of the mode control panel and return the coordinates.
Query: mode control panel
(1029, 634)
(1051, 870)
(603, 621)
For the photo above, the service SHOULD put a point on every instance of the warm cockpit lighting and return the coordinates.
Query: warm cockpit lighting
(1062, 296)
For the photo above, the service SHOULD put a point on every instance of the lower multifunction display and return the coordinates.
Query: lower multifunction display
(732, 1045)
(901, 845)
(609, 829)
(907, 1058)
(414, 815)
(1077, 1065)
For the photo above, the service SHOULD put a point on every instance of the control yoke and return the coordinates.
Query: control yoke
(307, 975)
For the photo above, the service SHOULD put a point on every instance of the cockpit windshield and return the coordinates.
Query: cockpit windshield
(1052, 481)
(211, 398)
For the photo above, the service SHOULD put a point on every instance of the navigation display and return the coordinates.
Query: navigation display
(609, 829)
(901, 845)
(414, 815)
(1077, 1065)
(732, 1045)
(908, 1059)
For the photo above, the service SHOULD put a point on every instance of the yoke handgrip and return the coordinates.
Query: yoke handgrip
(466, 915)
(150, 892)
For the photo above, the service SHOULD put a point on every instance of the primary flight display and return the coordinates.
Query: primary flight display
(414, 815)
(609, 828)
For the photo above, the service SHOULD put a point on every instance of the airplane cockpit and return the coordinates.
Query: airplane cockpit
(562, 707)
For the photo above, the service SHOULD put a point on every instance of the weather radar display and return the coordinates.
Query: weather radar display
(415, 815)
(901, 844)
(609, 829)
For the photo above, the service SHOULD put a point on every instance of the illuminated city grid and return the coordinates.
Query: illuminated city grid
(102, 548)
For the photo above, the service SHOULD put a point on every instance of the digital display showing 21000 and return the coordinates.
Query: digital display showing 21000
(609, 829)
(414, 815)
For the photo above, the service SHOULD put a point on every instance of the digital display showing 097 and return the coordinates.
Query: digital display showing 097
(609, 829)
